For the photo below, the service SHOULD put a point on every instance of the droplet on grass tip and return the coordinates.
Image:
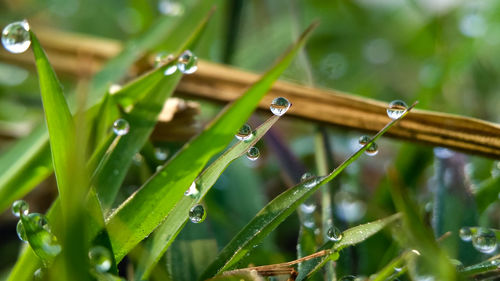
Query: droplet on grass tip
(334, 234)
(20, 207)
(396, 109)
(187, 62)
(280, 106)
(100, 258)
(21, 233)
(192, 190)
(244, 133)
(121, 127)
(197, 214)
(16, 37)
(485, 240)
(253, 153)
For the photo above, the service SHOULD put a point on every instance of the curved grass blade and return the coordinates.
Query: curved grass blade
(23, 166)
(480, 268)
(350, 237)
(137, 217)
(142, 119)
(277, 211)
(165, 234)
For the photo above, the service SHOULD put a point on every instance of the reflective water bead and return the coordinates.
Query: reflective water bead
(244, 133)
(253, 153)
(161, 153)
(280, 106)
(170, 8)
(192, 190)
(396, 109)
(197, 214)
(161, 58)
(372, 149)
(306, 176)
(114, 88)
(21, 233)
(334, 234)
(20, 207)
(171, 69)
(121, 127)
(485, 240)
(307, 208)
(100, 258)
(465, 234)
(39, 220)
(187, 63)
(16, 37)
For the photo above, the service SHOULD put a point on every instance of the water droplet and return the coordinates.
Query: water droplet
(495, 262)
(398, 269)
(253, 153)
(187, 63)
(161, 153)
(162, 58)
(100, 258)
(334, 234)
(159, 167)
(465, 234)
(307, 208)
(306, 176)
(170, 8)
(279, 106)
(372, 150)
(244, 133)
(114, 88)
(396, 109)
(39, 274)
(171, 69)
(197, 214)
(192, 190)
(16, 37)
(121, 127)
(20, 207)
(21, 233)
(485, 240)
(309, 223)
(39, 220)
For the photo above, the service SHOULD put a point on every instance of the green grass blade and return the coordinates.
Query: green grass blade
(142, 119)
(243, 275)
(165, 234)
(388, 272)
(59, 122)
(487, 193)
(350, 237)
(147, 208)
(23, 166)
(277, 211)
(479, 268)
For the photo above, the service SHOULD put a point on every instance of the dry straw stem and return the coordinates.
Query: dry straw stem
(222, 83)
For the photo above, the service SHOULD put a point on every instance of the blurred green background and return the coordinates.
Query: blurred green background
(443, 53)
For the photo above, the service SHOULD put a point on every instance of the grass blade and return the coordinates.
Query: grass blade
(147, 208)
(277, 211)
(165, 234)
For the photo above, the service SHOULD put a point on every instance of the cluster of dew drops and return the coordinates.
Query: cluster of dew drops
(34, 228)
(483, 239)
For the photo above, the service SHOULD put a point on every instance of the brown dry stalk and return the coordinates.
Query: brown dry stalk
(223, 83)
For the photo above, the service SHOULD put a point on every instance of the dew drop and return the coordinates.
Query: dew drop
(187, 63)
(39, 274)
(20, 207)
(114, 88)
(100, 258)
(39, 220)
(161, 153)
(485, 240)
(171, 69)
(170, 8)
(16, 37)
(197, 214)
(372, 150)
(162, 58)
(334, 234)
(307, 208)
(244, 133)
(306, 176)
(253, 153)
(396, 109)
(280, 106)
(465, 234)
(121, 127)
(192, 190)
(21, 233)
(309, 223)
